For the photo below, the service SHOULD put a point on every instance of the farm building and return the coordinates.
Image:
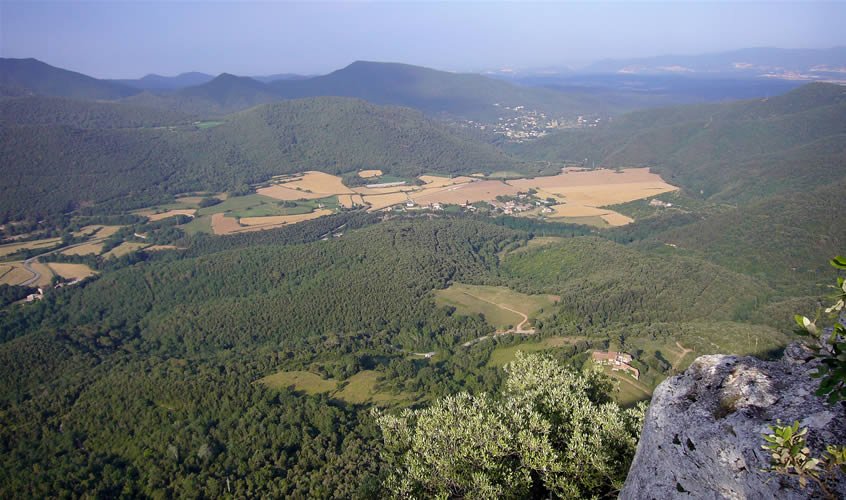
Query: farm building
(618, 361)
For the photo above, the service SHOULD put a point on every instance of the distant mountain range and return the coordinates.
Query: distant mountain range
(804, 64)
(32, 77)
(617, 86)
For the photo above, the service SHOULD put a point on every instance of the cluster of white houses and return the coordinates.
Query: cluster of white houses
(618, 361)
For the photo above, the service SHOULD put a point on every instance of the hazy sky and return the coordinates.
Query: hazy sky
(128, 39)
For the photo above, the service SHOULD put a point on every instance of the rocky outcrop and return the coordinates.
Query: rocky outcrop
(703, 432)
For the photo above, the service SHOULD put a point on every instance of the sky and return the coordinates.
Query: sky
(126, 39)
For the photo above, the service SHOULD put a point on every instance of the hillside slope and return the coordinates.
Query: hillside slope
(52, 168)
(434, 92)
(735, 151)
(31, 76)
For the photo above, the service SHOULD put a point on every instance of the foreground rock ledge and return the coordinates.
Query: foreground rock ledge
(703, 432)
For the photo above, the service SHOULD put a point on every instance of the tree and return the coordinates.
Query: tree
(552, 431)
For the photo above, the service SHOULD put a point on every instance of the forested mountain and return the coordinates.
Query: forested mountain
(31, 76)
(435, 92)
(84, 114)
(172, 347)
(734, 151)
(155, 82)
(784, 239)
(51, 168)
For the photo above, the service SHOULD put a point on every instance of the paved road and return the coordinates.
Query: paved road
(27, 264)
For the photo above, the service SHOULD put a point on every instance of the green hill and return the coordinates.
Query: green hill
(435, 92)
(54, 168)
(41, 110)
(734, 151)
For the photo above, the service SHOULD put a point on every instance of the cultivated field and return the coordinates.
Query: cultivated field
(502, 308)
(45, 272)
(13, 273)
(71, 271)
(222, 224)
(278, 220)
(317, 182)
(468, 192)
(584, 192)
(380, 201)
(350, 200)
(433, 181)
(367, 174)
(11, 248)
(86, 249)
(281, 192)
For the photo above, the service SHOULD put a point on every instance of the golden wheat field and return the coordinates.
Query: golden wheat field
(86, 249)
(13, 273)
(71, 271)
(350, 200)
(469, 192)
(11, 248)
(380, 201)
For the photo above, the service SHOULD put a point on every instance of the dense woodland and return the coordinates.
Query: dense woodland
(143, 381)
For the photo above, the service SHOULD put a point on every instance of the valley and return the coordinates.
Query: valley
(242, 287)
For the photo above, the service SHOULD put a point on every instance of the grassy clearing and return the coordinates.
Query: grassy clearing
(86, 249)
(236, 204)
(125, 248)
(501, 356)
(304, 381)
(198, 225)
(629, 391)
(536, 242)
(359, 388)
(494, 303)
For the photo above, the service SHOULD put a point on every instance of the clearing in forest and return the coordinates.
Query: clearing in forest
(125, 248)
(501, 356)
(304, 381)
(502, 308)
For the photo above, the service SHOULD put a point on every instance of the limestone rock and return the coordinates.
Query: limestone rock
(703, 432)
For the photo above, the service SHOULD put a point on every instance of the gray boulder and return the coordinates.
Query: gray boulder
(703, 432)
